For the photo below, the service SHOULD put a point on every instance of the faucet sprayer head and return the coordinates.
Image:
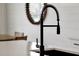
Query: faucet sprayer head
(58, 28)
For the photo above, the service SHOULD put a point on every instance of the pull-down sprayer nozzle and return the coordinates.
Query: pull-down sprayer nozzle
(58, 28)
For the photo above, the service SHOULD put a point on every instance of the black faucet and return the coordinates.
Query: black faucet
(41, 26)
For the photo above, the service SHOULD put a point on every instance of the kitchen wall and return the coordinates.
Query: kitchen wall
(3, 28)
(3, 24)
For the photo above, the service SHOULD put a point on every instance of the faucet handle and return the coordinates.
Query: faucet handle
(37, 43)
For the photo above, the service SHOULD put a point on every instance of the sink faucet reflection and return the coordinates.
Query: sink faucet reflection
(41, 26)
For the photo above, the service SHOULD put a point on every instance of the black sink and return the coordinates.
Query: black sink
(57, 53)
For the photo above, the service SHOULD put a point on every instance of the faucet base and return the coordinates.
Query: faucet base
(41, 50)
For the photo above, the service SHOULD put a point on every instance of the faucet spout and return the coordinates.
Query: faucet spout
(57, 14)
(41, 26)
(53, 7)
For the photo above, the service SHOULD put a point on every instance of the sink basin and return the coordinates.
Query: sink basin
(57, 53)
